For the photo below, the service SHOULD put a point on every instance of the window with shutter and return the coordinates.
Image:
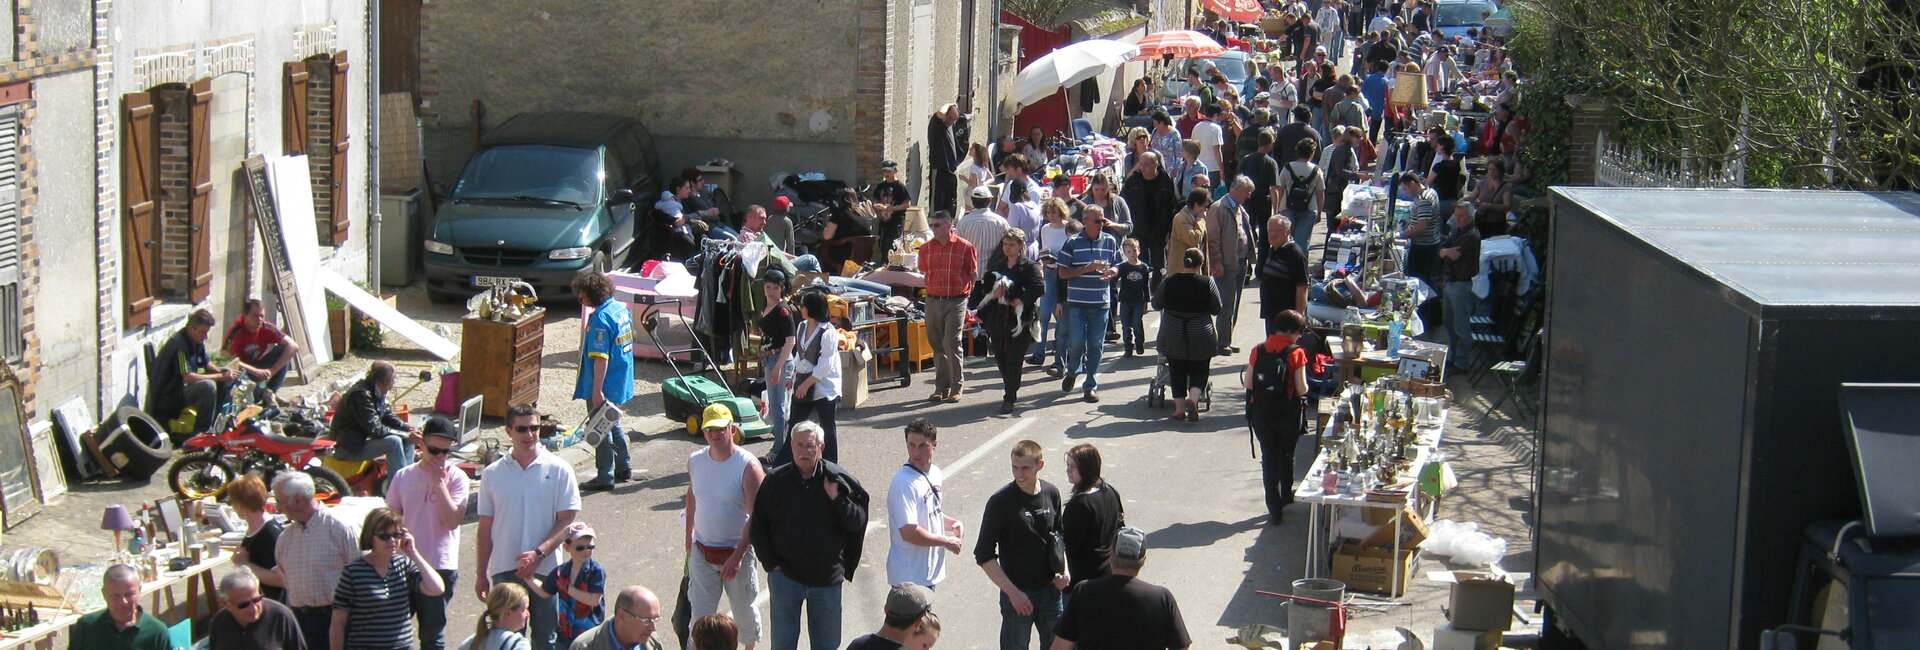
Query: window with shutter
(11, 342)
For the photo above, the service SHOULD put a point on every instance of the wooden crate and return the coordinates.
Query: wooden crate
(502, 361)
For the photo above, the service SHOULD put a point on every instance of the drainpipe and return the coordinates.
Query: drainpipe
(373, 145)
(993, 77)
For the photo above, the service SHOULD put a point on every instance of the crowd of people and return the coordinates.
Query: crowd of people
(1233, 190)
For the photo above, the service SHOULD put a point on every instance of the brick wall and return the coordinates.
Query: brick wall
(176, 178)
(1591, 117)
(875, 38)
(320, 143)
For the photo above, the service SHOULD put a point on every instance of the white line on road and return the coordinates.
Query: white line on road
(877, 523)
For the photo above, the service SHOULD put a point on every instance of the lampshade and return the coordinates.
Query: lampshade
(116, 518)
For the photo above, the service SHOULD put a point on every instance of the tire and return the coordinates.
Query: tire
(134, 443)
(600, 264)
(328, 483)
(693, 425)
(201, 474)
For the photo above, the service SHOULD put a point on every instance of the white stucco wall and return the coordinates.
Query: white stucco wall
(63, 317)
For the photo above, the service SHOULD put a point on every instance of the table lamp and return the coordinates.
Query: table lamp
(116, 519)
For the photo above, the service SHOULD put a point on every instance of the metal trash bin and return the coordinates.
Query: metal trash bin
(1308, 622)
(400, 237)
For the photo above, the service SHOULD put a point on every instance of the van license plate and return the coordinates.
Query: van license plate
(493, 281)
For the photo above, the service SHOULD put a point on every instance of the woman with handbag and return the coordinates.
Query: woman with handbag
(1188, 302)
(1189, 231)
(817, 368)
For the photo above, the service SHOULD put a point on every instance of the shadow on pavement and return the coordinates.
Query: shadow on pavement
(1203, 533)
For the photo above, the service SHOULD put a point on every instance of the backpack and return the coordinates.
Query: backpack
(1270, 375)
(1300, 191)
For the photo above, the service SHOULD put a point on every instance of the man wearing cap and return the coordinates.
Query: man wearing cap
(722, 485)
(606, 372)
(921, 527)
(906, 604)
(981, 227)
(527, 500)
(636, 615)
(1121, 610)
(946, 145)
(433, 501)
(950, 263)
(890, 203)
(811, 516)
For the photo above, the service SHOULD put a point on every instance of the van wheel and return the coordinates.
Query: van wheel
(600, 265)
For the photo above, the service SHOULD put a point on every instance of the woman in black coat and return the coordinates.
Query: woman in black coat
(1008, 301)
(1188, 302)
(1151, 197)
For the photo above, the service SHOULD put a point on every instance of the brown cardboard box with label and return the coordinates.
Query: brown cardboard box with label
(1413, 531)
(1372, 570)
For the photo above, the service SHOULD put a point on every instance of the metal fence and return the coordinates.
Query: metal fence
(1618, 165)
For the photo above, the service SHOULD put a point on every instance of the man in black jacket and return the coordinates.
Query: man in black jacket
(946, 144)
(808, 520)
(364, 428)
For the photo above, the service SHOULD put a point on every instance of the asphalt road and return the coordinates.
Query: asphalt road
(1192, 487)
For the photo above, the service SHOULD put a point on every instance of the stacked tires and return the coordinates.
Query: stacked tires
(134, 443)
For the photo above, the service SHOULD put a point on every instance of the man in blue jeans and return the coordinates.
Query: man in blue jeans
(1017, 549)
(606, 372)
(365, 429)
(1088, 263)
(808, 520)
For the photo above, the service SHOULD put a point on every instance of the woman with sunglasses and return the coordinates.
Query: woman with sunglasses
(372, 599)
(431, 497)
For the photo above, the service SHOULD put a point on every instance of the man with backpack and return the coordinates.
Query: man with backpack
(1276, 383)
(1302, 190)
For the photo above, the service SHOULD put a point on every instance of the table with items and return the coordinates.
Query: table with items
(1377, 465)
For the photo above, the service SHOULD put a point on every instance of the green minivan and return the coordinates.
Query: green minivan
(546, 195)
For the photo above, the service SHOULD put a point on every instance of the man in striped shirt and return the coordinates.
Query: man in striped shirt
(313, 549)
(1088, 263)
(982, 228)
(950, 264)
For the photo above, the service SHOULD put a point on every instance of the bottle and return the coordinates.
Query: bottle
(1329, 478)
(1393, 338)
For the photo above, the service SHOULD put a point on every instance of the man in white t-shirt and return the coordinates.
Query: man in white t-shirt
(527, 499)
(1210, 136)
(922, 528)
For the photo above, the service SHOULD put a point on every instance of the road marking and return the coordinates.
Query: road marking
(877, 524)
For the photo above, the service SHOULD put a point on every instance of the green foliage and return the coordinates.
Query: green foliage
(1810, 93)
(1045, 14)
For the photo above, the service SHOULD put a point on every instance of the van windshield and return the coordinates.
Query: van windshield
(535, 173)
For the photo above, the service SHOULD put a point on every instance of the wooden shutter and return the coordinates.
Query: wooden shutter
(293, 110)
(199, 155)
(338, 170)
(140, 189)
(11, 343)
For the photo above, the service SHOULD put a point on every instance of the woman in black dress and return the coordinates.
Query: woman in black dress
(1187, 303)
(1007, 301)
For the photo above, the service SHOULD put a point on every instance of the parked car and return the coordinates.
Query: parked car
(1235, 65)
(1453, 17)
(547, 194)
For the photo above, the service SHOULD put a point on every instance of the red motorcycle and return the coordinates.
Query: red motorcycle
(248, 447)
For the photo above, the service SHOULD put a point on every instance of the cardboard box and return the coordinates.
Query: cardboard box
(1449, 637)
(1480, 601)
(1372, 570)
(853, 376)
(1379, 516)
(1413, 531)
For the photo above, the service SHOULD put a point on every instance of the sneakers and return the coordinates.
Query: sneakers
(952, 395)
(1066, 385)
(596, 485)
(937, 396)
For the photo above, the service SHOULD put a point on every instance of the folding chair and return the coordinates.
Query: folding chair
(1513, 374)
(1491, 347)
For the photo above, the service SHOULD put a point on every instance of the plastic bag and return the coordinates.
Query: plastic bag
(1464, 542)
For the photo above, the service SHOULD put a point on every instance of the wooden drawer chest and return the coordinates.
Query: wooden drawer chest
(502, 361)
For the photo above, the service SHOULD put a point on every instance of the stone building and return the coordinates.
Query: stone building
(123, 129)
(833, 86)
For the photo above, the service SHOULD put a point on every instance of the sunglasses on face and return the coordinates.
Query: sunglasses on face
(392, 537)
(525, 429)
(243, 604)
(436, 451)
(585, 547)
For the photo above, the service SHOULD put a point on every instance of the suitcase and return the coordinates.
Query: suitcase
(684, 397)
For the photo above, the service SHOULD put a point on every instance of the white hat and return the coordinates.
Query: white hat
(579, 529)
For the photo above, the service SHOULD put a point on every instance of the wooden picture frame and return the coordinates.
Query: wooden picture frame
(172, 519)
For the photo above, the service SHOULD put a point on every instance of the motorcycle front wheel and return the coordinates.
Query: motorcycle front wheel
(201, 474)
(328, 485)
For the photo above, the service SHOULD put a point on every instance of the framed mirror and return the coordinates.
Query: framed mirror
(19, 487)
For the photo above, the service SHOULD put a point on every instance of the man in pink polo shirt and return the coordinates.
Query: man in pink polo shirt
(431, 496)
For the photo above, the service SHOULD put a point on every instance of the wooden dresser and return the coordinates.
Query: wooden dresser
(502, 361)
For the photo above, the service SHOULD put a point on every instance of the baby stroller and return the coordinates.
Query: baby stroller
(1157, 388)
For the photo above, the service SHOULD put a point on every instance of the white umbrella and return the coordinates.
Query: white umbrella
(1067, 66)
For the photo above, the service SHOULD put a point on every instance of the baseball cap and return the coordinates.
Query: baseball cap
(1130, 544)
(909, 600)
(439, 426)
(716, 416)
(889, 165)
(579, 529)
(982, 192)
(1319, 49)
(782, 203)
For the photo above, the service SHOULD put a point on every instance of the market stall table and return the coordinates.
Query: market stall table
(1322, 506)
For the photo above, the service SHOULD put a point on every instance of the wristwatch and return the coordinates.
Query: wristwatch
(539, 554)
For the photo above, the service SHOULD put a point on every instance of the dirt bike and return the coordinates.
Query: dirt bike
(249, 447)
